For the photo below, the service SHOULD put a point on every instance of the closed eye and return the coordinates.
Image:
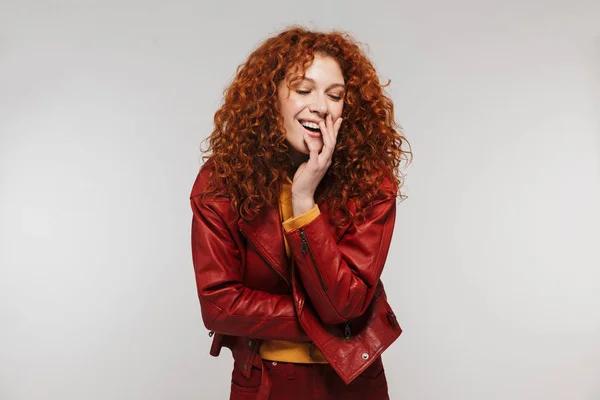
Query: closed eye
(305, 92)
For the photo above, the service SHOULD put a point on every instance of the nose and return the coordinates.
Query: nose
(319, 106)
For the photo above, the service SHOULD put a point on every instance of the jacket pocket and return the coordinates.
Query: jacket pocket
(241, 384)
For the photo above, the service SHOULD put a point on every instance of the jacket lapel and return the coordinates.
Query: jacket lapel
(265, 234)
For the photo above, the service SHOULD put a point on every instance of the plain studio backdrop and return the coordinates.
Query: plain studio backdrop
(494, 269)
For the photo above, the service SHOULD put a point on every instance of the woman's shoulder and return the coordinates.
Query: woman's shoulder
(389, 185)
(203, 181)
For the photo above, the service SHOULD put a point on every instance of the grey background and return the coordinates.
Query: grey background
(494, 270)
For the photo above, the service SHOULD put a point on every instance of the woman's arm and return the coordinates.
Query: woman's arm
(229, 307)
(340, 278)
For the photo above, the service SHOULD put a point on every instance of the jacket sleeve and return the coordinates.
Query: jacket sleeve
(229, 307)
(341, 278)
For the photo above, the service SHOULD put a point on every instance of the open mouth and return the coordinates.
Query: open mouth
(312, 128)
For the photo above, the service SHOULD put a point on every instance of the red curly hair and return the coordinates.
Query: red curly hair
(248, 145)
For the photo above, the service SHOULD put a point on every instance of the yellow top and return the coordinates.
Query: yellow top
(281, 350)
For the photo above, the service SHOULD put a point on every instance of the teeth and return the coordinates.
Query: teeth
(311, 125)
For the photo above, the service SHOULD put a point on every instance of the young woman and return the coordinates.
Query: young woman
(293, 214)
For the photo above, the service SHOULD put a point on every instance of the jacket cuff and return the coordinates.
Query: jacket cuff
(300, 220)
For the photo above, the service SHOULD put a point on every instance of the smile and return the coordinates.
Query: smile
(311, 128)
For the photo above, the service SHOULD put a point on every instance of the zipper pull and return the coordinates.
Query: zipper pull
(211, 333)
(347, 331)
(304, 242)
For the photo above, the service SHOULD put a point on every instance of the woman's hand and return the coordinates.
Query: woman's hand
(309, 174)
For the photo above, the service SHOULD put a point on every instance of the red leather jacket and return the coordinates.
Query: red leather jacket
(331, 295)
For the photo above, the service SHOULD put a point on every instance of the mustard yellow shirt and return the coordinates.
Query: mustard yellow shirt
(282, 350)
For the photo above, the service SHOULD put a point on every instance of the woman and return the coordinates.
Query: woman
(294, 212)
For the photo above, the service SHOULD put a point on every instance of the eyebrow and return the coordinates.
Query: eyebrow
(333, 85)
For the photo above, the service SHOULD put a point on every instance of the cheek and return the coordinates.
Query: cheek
(297, 105)
(337, 111)
(290, 108)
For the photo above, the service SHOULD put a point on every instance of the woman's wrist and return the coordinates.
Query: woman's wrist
(302, 204)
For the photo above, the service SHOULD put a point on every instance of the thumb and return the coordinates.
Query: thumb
(299, 170)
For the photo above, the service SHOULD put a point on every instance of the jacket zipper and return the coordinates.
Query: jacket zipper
(305, 248)
(265, 259)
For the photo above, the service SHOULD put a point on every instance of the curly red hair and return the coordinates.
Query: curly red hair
(248, 144)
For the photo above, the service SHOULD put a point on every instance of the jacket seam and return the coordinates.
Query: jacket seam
(385, 236)
(229, 314)
(216, 317)
(379, 253)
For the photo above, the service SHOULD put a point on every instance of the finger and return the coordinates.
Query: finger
(330, 128)
(336, 128)
(311, 142)
(327, 145)
(331, 132)
(324, 134)
(312, 148)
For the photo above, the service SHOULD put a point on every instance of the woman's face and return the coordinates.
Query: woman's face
(309, 101)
